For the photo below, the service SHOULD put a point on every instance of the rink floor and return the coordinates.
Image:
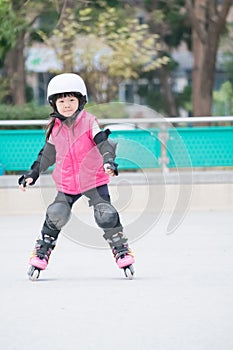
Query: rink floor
(180, 299)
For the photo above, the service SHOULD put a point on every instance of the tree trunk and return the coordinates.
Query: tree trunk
(203, 77)
(207, 23)
(204, 54)
(15, 70)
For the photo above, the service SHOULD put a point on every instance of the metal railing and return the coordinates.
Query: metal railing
(136, 121)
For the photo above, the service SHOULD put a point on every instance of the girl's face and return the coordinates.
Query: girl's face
(67, 106)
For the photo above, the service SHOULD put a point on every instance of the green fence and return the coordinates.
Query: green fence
(184, 147)
(206, 147)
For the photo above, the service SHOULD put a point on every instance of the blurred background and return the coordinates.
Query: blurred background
(174, 56)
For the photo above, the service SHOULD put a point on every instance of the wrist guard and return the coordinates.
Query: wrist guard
(23, 178)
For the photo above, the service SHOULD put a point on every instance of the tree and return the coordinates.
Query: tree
(10, 48)
(208, 19)
(167, 19)
(65, 34)
(106, 46)
(17, 18)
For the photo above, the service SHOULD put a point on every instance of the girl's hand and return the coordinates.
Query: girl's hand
(108, 170)
(25, 183)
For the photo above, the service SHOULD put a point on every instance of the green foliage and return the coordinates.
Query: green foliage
(27, 112)
(154, 98)
(8, 28)
(4, 88)
(5, 91)
(223, 100)
(168, 19)
(227, 65)
(17, 17)
(47, 21)
(184, 99)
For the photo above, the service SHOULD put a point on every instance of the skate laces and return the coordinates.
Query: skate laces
(43, 248)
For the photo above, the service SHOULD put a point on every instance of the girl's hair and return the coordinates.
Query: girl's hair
(53, 115)
(50, 127)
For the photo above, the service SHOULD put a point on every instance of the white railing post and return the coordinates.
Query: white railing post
(163, 138)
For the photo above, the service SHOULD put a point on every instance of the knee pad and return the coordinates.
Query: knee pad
(105, 215)
(57, 215)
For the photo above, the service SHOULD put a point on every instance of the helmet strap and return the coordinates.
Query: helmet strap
(61, 117)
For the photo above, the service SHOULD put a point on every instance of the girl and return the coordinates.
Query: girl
(84, 160)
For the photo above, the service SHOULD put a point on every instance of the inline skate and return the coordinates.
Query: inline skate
(40, 256)
(125, 259)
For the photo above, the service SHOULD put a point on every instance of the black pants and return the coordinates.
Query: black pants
(58, 213)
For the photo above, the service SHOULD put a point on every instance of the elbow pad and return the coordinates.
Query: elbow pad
(46, 157)
(107, 148)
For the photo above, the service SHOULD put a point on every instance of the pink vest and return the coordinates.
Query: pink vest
(79, 165)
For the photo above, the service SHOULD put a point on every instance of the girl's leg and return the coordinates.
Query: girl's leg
(107, 217)
(57, 215)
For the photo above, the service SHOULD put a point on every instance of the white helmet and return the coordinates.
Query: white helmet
(66, 82)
